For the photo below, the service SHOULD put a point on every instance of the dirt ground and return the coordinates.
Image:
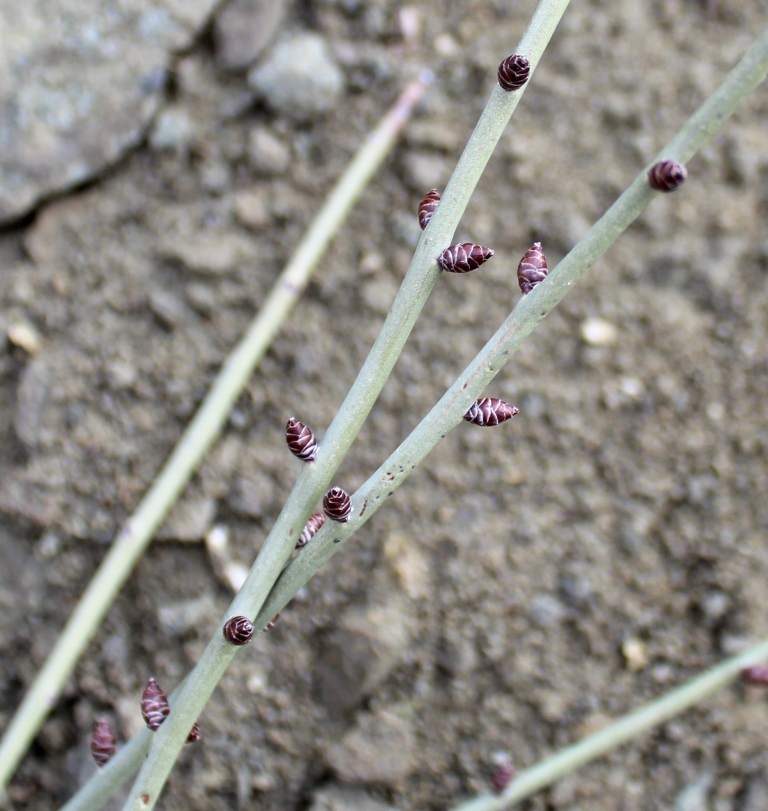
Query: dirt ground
(528, 583)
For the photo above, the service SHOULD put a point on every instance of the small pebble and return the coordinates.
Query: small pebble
(597, 332)
(299, 79)
(635, 654)
(25, 336)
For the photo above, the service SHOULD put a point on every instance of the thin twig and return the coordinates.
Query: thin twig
(132, 540)
(316, 477)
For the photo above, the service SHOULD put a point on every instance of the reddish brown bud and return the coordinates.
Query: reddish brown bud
(667, 176)
(194, 734)
(103, 742)
(337, 505)
(755, 674)
(313, 525)
(463, 257)
(532, 269)
(238, 630)
(490, 411)
(427, 207)
(271, 624)
(154, 705)
(300, 440)
(514, 72)
(501, 777)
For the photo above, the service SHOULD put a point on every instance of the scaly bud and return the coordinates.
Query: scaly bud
(337, 505)
(300, 440)
(463, 257)
(489, 411)
(427, 207)
(532, 269)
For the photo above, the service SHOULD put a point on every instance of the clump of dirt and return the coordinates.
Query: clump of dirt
(530, 582)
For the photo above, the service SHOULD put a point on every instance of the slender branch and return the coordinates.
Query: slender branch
(630, 726)
(529, 312)
(316, 477)
(136, 533)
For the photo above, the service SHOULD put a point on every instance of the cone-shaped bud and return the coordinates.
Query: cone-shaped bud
(154, 705)
(667, 176)
(489, 411)
(103, 742)
(238, 630)
(501, 777)
(532, 269)
(194, 734)
(300, 440)
(427, 207)
(755, 674)
(337, 505)
(514, 72)
(314, 523)
(463, 257)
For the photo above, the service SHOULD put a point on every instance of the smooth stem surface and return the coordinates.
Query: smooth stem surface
(531, 309)
(630, 726)
(316, 477)
(136, 533)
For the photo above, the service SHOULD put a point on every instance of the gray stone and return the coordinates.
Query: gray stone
(368, 644)
(250, 209)
(172, 131)
(169, 309)
(189, 520)
(209, 253)
(694, 796)
(380, 748)
(80, 87)
(243, 29)
(32, 396)
(267, 154)
(177, 618)
(423, 170)
(546, 611)
(299, 79)
(343, 798)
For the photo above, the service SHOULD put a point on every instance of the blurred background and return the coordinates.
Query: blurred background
(528, 584)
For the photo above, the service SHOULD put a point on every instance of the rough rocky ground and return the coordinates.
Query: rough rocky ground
(529, 583)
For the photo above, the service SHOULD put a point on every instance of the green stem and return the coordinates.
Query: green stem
(316, 477)
(136, 533)
(531, 309)
(626, 729)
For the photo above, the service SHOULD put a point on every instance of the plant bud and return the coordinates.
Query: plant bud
(337, 505)
(667, 176)
(314, 523)
(154, 705)
(103, 742)
(489, 411)
(238, 630)
(463, 257)
(194, 734)
(427, 207)
(300, 440)
(755, 674)
(514, 72)
(501, 777)
(532, 269)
